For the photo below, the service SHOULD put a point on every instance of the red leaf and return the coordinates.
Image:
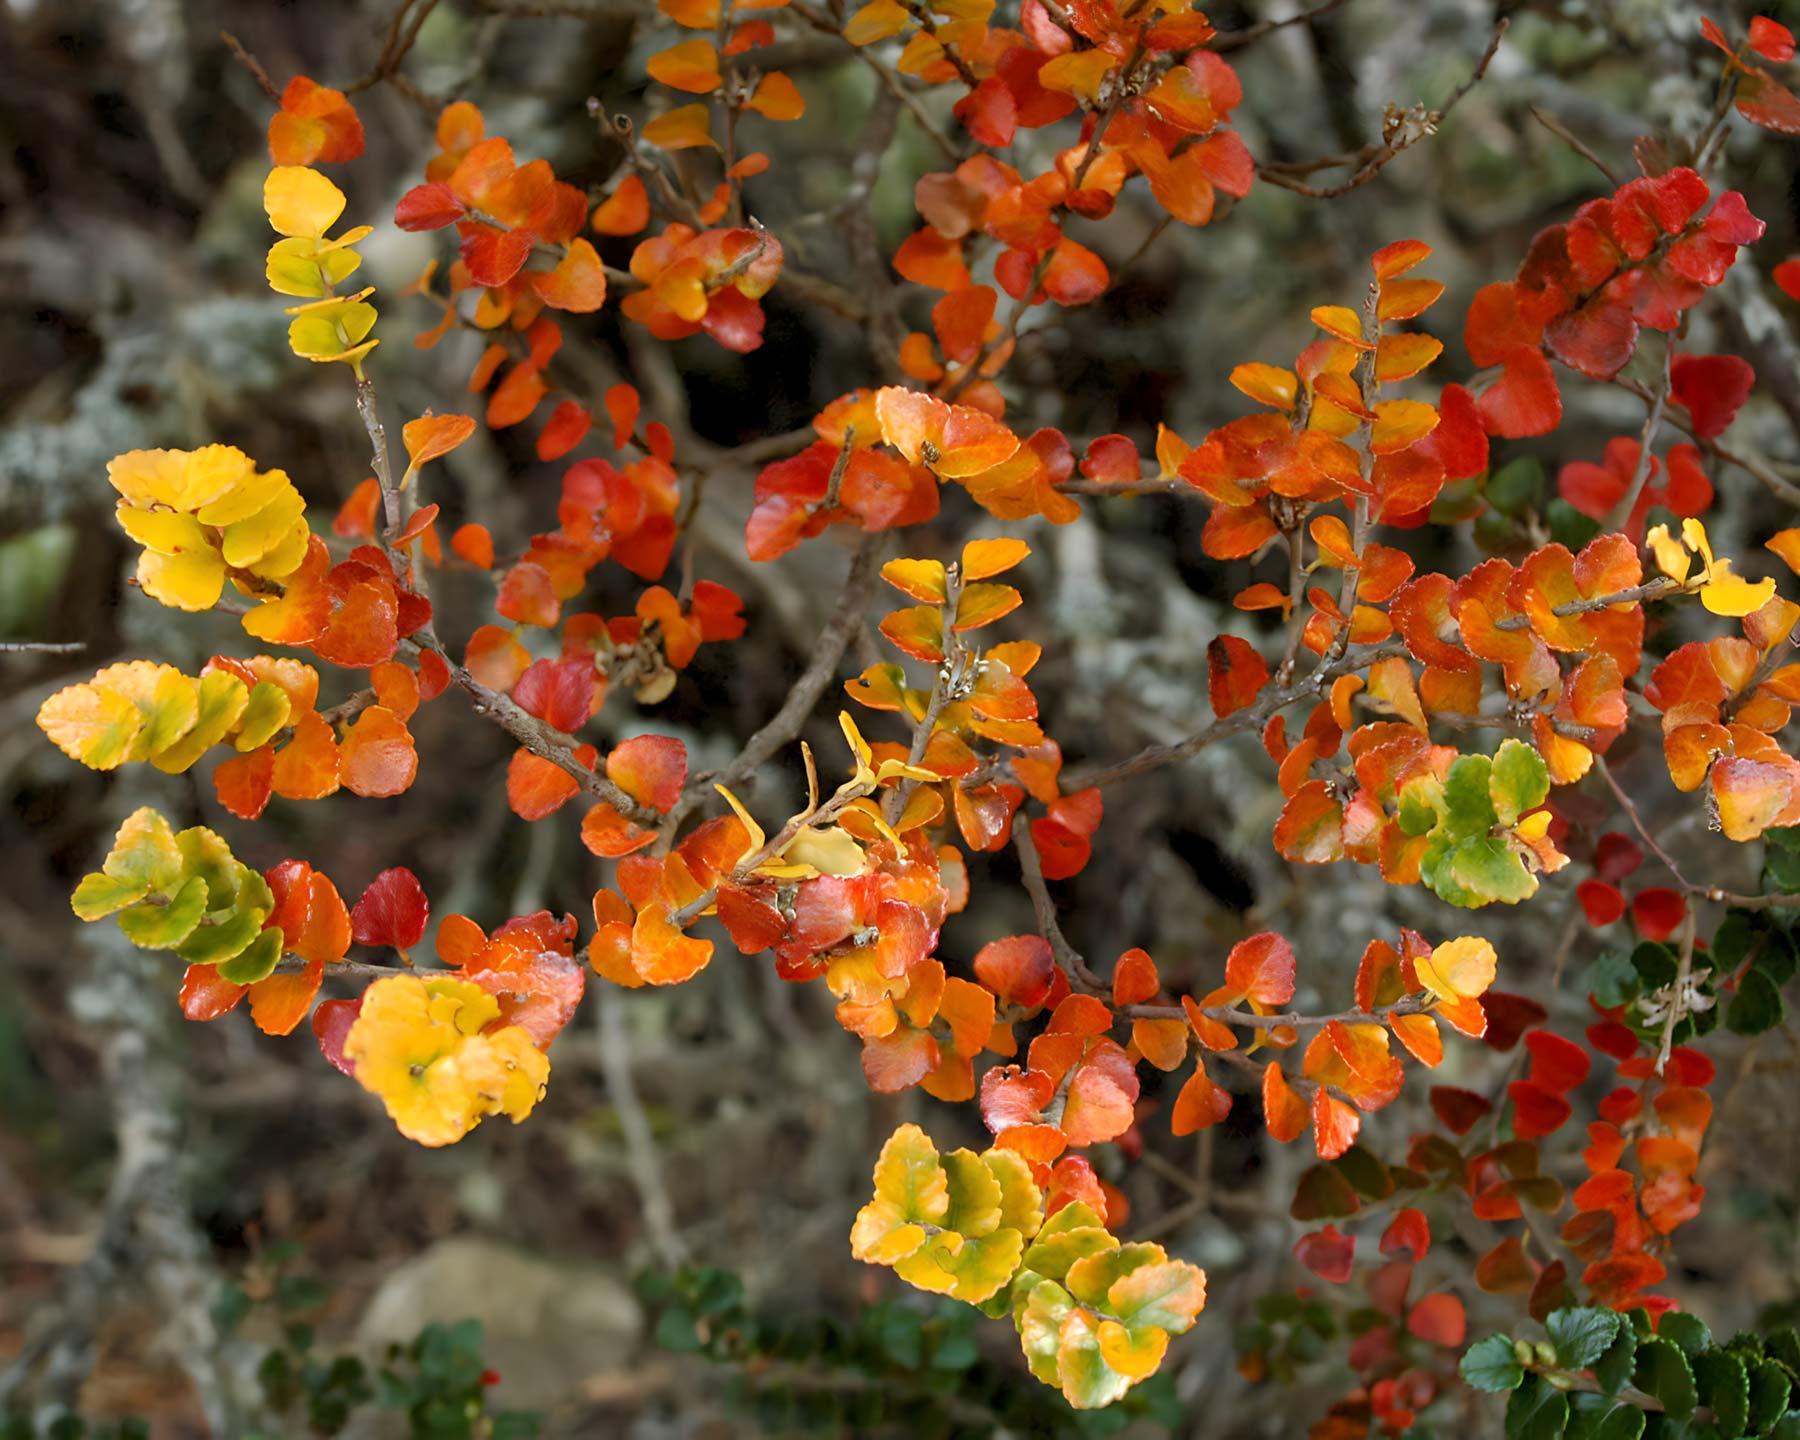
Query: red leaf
(1439, 1320)
(1712, 388)
(1601, 902)
(1407, 1231)
(1509, 1017)
(1658, 913)
(428, 207)
(205, 995)
(392, 911)
(1460, 1110)
(1524, 400)
(1557, 1064)
(1328, 1254)
(1771, 40)
(1236, 674)
(331, 1024)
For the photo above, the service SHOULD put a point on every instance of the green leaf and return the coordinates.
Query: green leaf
(974, 1194)
(145, 853)
(99, 895)
(1568, 526)
(1581, 1334)
(232, 929)
(301, 1292)
(230, 1307)
(1536, 1411)
(1488, 868)
(1613, 1367)
(1421, 805)
(1517, 487)
(1757, 1007)
(1491, 1365)
(1769, 1389)
(1599, 1417)
(164, 926)
(1784, 1345)
(1724, 1388)
(1663, 1371)
(1687, 1331)
(256, 961)
(265, 711)
(1468, 802)
(1655, 964)
(1612, 980)
(1732, 940)
(1519, 780)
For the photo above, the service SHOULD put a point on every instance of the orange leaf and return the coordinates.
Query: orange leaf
(377, 757)
(307, 766)
(651, 769)
(577, 284)
(1236, 673)
(683, 128)
(1200, 1105)
(693, 66)
(1283, 1110)
(432, 436)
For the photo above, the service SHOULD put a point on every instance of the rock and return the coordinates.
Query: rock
(548, 1326)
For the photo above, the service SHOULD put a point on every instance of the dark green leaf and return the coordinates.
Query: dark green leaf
(1614, 1366)
(1724, 1388)
(1769, 1387)
(1687, 1331)
(1663, 1371)
(1757, 1006)
(1581, 1335)
(1536, 1411)
(1568, 526)
(1517, 487)
(1599, 1417)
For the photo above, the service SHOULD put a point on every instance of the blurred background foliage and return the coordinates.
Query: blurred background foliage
(145, 1163)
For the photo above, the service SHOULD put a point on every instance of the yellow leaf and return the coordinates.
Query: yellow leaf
(830, 851)
(1728, 594)
(189, 581)
(751, 828)
(95, 727)
(422, 1046)
(1672, 557)
(301, 201)
(1458, 969)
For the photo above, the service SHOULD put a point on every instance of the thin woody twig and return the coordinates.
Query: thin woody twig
(1251, 717)
(1369, 161)
(250, 63)
(1575, 143)
(1068, 958)
(1620, 513)
(1237, 39)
